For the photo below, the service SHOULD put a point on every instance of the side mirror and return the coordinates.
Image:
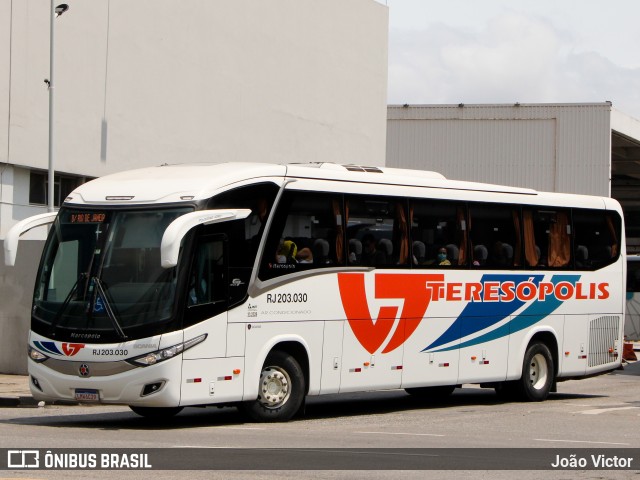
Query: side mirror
(19, 229)
(175, 232)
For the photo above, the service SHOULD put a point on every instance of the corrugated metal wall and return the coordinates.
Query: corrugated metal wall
(563, 148)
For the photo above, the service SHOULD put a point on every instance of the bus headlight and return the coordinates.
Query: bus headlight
(158, 356)
(36, 356)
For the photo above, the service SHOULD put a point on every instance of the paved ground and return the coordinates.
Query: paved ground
(598, 414)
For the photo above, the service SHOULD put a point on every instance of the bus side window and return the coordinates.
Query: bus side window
(207, 288)
(307, 233)
(377, 231)
(438, 225)
(246, 235)
(633, 274)
(207, 282)
(597, 238)
(496, 227)
(547, 235)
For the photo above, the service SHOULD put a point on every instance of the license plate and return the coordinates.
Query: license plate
(87, 395)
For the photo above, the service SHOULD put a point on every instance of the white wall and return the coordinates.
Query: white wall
(153, 81)
(14, 201)
(16, 283)
(5, 55)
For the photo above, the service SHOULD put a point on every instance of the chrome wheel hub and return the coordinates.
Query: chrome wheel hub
(538, 371)
(274, 387)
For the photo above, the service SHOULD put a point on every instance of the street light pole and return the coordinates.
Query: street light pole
(55, 12)
(50, 194)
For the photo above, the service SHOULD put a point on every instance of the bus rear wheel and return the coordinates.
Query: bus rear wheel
(537, 373)
(281, 390)
(156, 412)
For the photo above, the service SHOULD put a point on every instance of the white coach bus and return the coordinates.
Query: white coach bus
(257, 285)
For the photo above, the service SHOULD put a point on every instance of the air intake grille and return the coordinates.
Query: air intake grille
(603, 335)
(358, 168)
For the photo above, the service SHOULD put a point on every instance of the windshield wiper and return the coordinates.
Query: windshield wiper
(65, 304)
(107, 306)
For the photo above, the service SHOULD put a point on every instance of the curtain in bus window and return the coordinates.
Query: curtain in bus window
(414, 259)
(559, 242)
(339, 231)
(516, 223)
(463, 231)
(404, 234)
(353, 249)
(614, 237)
(530, 253)
(263, 209)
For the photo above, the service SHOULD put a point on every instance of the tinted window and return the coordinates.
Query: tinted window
(208, 282)
(244, 235)
(306, 233)
(438, 233)
(495, 235)
(597, 238)
(633, 275)
(547, 234)
(377, 231)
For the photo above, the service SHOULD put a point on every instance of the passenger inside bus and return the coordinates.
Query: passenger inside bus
(442, 257)
(287, 251)
(304, 255)
(480, 254)
(355, 251)
(371, 255)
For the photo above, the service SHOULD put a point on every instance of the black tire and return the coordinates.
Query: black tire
(156, 412)
(431, 393)
(281, 391)
(537, 374)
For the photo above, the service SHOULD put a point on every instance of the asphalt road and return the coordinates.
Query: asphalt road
(596, 413)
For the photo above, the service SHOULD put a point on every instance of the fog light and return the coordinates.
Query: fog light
(36, 383)
(151, 388)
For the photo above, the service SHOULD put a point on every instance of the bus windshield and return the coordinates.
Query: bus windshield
(101, 275)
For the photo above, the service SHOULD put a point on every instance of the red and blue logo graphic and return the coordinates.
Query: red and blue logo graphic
(68, 349)
(489, 303)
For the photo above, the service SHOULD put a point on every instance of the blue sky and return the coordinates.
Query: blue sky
(506, 51)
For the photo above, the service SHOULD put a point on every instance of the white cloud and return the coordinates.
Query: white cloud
(513, 57)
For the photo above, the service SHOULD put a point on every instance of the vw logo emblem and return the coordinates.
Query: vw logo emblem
(84, 370)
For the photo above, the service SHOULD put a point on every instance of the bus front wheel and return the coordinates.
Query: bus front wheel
(281, 390)
(537, 373)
